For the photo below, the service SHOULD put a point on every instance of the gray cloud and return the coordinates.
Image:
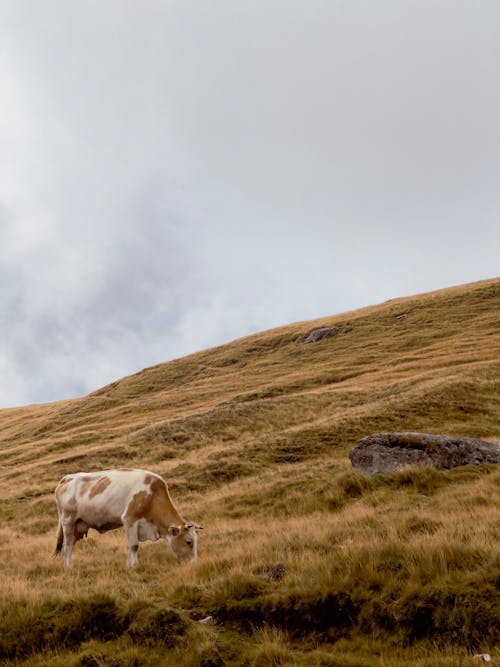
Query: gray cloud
(174, 175)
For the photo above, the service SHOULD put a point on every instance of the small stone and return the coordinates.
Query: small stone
(208, 620)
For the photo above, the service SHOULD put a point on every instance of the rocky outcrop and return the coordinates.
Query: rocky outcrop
(385, 452)
(317, 334)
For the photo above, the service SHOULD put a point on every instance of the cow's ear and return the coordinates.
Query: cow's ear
(173, 531)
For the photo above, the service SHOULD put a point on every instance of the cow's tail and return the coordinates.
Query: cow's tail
(60, 540)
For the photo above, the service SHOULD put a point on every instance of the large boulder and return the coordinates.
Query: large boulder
(385, 452)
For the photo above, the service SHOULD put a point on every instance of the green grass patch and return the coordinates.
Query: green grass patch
(30, 628)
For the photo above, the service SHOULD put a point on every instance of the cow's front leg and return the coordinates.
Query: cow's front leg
(133, 544)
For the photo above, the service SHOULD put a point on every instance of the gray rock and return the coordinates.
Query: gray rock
(317, 334)
(386, 452)
(208, 620)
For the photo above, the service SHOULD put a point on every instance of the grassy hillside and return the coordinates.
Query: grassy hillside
(303, 561)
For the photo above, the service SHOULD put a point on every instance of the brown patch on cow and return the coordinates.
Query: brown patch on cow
(85, 482)
(62, 486)
(155, 506)
(138, 507)
(158, 487)
(85, 486)
(99, 486)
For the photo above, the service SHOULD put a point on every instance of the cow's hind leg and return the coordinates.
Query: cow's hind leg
(68, 527)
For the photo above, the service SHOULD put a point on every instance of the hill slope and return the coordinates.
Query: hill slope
(253, 438)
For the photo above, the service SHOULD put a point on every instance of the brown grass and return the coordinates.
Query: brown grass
(253, 439)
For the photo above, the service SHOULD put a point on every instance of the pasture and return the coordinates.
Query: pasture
(302, 560)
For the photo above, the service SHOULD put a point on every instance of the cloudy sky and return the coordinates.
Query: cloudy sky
(174, 175)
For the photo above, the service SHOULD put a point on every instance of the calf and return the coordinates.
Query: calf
(138, 500)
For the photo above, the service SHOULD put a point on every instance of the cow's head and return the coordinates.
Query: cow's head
(183, 541)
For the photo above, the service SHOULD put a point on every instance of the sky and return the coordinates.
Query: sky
(176, 174)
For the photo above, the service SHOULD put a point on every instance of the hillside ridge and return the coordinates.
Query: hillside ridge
(419, 347)
(300, 327)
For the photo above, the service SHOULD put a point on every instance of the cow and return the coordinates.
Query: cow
(138, 500)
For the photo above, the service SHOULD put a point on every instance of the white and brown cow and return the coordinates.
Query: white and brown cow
(138, 500)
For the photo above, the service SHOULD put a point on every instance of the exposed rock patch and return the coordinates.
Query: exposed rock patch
(317, 334)
(386, 452)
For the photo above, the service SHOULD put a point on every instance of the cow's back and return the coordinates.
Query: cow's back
(100, 498)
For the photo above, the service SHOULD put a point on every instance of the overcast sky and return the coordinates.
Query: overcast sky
(176, 174)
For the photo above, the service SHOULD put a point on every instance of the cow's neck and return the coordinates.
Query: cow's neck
(165, 514)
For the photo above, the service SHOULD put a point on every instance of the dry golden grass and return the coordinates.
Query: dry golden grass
(253, 439)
